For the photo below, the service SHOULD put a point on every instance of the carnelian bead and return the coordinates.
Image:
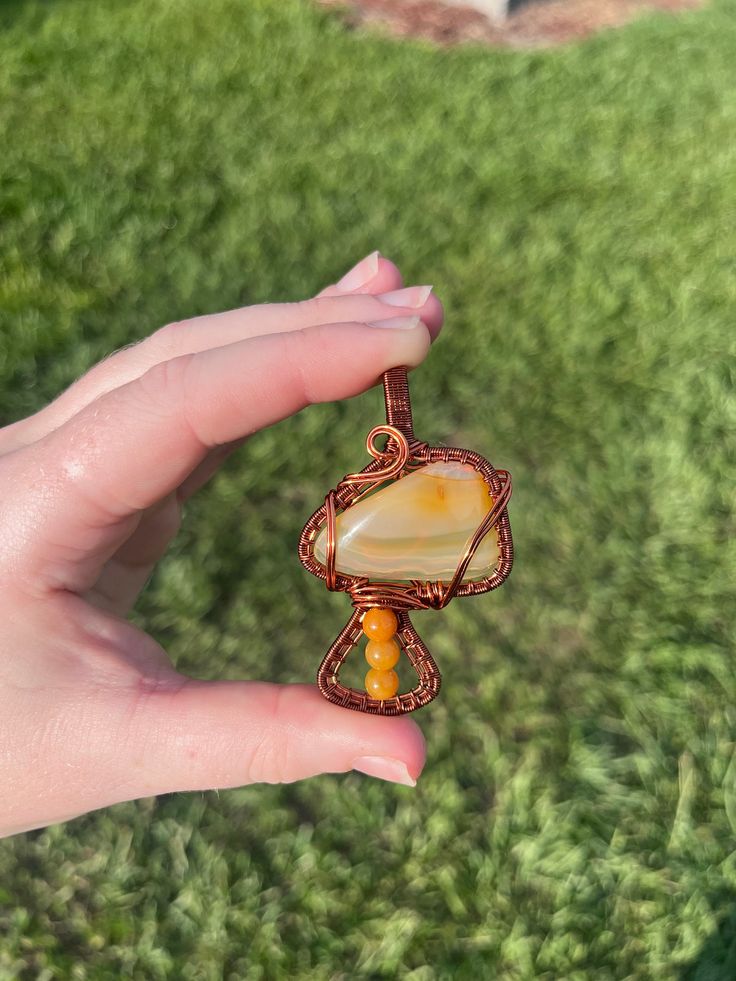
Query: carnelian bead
(380, 623)
(382, 654)
(381, 684)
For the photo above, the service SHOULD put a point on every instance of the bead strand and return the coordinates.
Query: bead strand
(382, 652)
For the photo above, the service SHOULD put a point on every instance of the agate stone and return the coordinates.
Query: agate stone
(416, 528)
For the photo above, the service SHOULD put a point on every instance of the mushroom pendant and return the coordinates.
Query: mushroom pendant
(414, 528)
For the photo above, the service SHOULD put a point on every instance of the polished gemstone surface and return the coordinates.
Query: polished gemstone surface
(381, 684)
(416, 528)
(380, 623)
(382, 654)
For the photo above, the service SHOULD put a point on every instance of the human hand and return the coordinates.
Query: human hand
(92, 712)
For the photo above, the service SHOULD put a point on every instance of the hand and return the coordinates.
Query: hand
(92, 711)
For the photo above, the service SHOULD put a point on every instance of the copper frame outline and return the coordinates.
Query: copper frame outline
(403, 453)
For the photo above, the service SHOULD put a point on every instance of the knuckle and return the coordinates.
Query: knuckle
(167, 390)
(298, 352)
(268, 761)
(167, 341)
(316, 309)
(271, 754)
(166, 383)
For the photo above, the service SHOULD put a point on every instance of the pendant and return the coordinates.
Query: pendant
(414, 528)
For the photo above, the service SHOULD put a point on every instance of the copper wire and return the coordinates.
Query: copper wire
(416, 595)
(330, 541)
(401, 452)
(391, 465)
(392, 460)
(490, 521)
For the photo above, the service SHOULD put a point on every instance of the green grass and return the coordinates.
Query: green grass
(575, 210)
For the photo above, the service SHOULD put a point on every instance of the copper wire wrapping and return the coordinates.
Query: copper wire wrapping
(393, 461)
(330, 541)
(417, 594)
(403, 452)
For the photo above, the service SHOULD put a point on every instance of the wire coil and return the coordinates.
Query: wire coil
(402, 453)
(415, 594)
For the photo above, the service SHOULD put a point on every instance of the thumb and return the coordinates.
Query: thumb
(207, 735)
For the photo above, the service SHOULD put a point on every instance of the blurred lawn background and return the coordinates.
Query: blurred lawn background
(575, 210)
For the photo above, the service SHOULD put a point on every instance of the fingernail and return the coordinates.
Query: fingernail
(361, 274)
(412, 296)
(385, 768)
(397, 323)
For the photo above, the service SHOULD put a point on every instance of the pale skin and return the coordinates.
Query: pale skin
(92, 711)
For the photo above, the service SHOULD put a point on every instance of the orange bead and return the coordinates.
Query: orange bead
(381, 684)
(380, 623)
(382, 654)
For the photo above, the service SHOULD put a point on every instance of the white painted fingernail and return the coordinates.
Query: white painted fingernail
(397, 323)
(412, 296)
(384, 768)
(360, 274)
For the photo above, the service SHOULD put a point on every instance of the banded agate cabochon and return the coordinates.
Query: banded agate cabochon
(416, 528)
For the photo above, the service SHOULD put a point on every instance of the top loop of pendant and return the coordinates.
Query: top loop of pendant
(398, 402)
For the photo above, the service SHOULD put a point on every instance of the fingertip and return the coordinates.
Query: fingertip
(387, 278)
(389, 748)
(424, 335)
(418, 300)
(344, 359)
(226, 733)
(384, 275)
(433, 315)
(414, 349)
(407, 347)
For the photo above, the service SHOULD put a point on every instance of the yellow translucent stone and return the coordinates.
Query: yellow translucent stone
(382, 654)
(380, 623)
(381, 684)
(416, 528)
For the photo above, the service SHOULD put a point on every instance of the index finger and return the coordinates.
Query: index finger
(87, 480)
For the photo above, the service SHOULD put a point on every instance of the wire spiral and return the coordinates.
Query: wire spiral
(402, 453)
(416, 594)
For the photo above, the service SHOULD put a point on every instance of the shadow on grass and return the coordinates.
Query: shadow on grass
(717, 959)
